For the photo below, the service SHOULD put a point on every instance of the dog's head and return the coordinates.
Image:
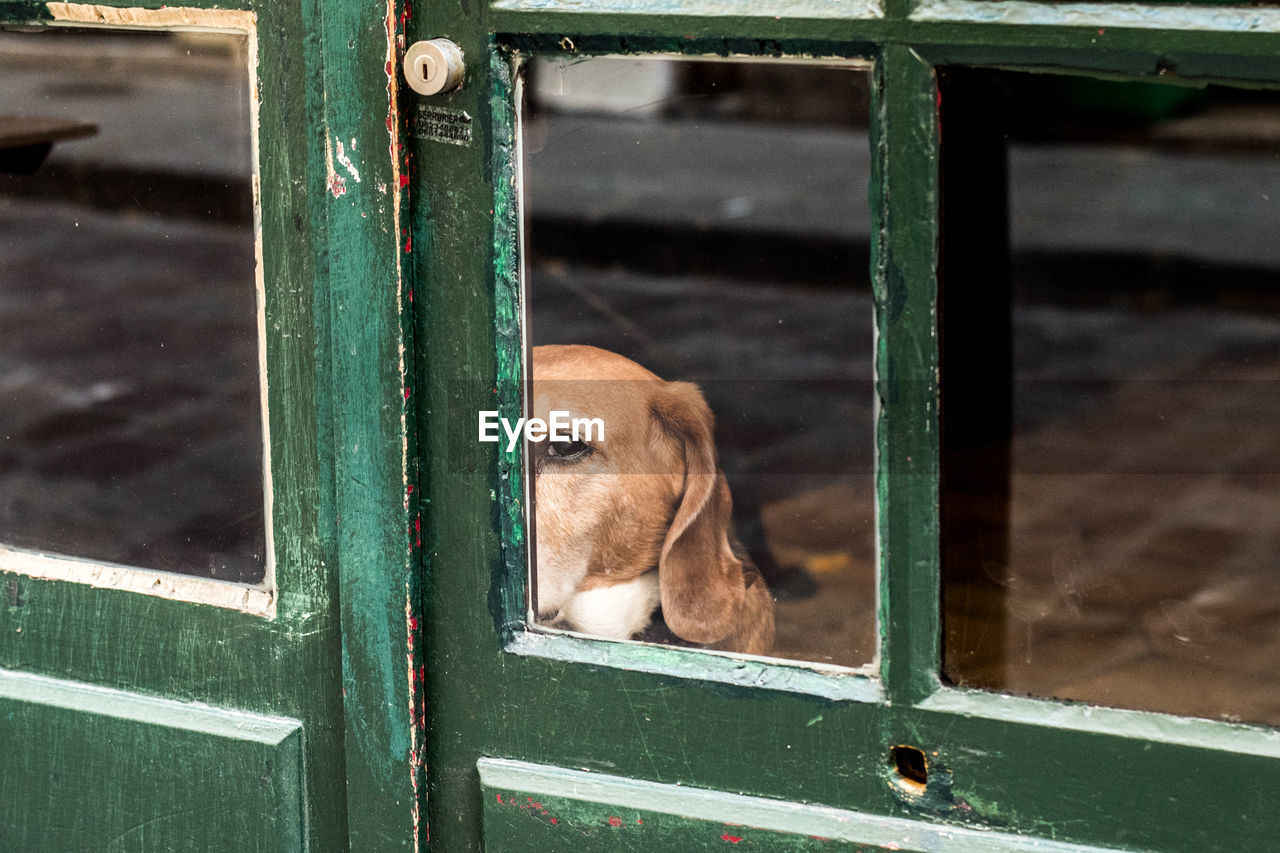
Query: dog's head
(649, 495)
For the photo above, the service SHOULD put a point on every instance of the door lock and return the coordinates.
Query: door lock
(433, 66)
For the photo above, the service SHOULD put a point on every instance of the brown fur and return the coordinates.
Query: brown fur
(650, 496)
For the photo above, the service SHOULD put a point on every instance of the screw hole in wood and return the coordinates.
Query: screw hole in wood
(911, 768)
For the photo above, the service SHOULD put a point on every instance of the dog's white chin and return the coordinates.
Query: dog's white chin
(558, 576)
(616, 612)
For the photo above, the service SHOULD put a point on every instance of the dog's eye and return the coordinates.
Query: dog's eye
(568, 451)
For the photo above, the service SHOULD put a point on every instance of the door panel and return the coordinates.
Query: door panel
(997, 768)
(117, 771)
(273, 652)
(539, 808)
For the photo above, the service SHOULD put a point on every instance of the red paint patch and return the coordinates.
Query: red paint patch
(337, 185)
(638, 820)
(408, 244)
(499, 796)
(411, 488)
(615, 821)
(554, 821)
(732, 839)
(406, 393)
(404, 180)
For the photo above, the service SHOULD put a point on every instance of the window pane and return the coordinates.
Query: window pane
(1127, 551)
(707, 221)
(129, 394)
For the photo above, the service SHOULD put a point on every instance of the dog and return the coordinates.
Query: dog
(637, 522)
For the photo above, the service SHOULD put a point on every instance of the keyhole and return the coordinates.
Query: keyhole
(427, 69)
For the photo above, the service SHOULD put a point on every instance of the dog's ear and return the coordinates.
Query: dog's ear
(754, 632)
(701, 579)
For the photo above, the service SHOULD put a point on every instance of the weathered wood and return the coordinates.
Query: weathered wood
(116, 771)
(371, 295)
(540, 808)
(341, 358)
(288, 665)
(905, 266)
(645, 713)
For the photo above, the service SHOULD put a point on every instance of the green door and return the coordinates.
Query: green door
(264, 587)
(206, 635)
(927, 711)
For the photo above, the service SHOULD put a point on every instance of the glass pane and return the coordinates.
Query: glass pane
(707, 222)
(129, 390)
(1125, 548)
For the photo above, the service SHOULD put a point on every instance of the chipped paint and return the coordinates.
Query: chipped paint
(346, 161)
(1101, 16)
(169, 17)
(816, 9)
(583, 793)
(256, 600)
(336, 183)
(399, 179)
(816, 679)
(260, 288)
(415, 755)
(530, 805)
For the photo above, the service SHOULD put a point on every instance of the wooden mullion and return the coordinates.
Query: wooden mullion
(905, 264)
(369, 282)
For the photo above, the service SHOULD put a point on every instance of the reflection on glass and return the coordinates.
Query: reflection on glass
(1135, 559)
(130, 422)
(707, 222)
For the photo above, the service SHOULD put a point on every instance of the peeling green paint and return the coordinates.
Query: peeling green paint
(288, 666)
(23, 12)
(539, 808)
(509, 579)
